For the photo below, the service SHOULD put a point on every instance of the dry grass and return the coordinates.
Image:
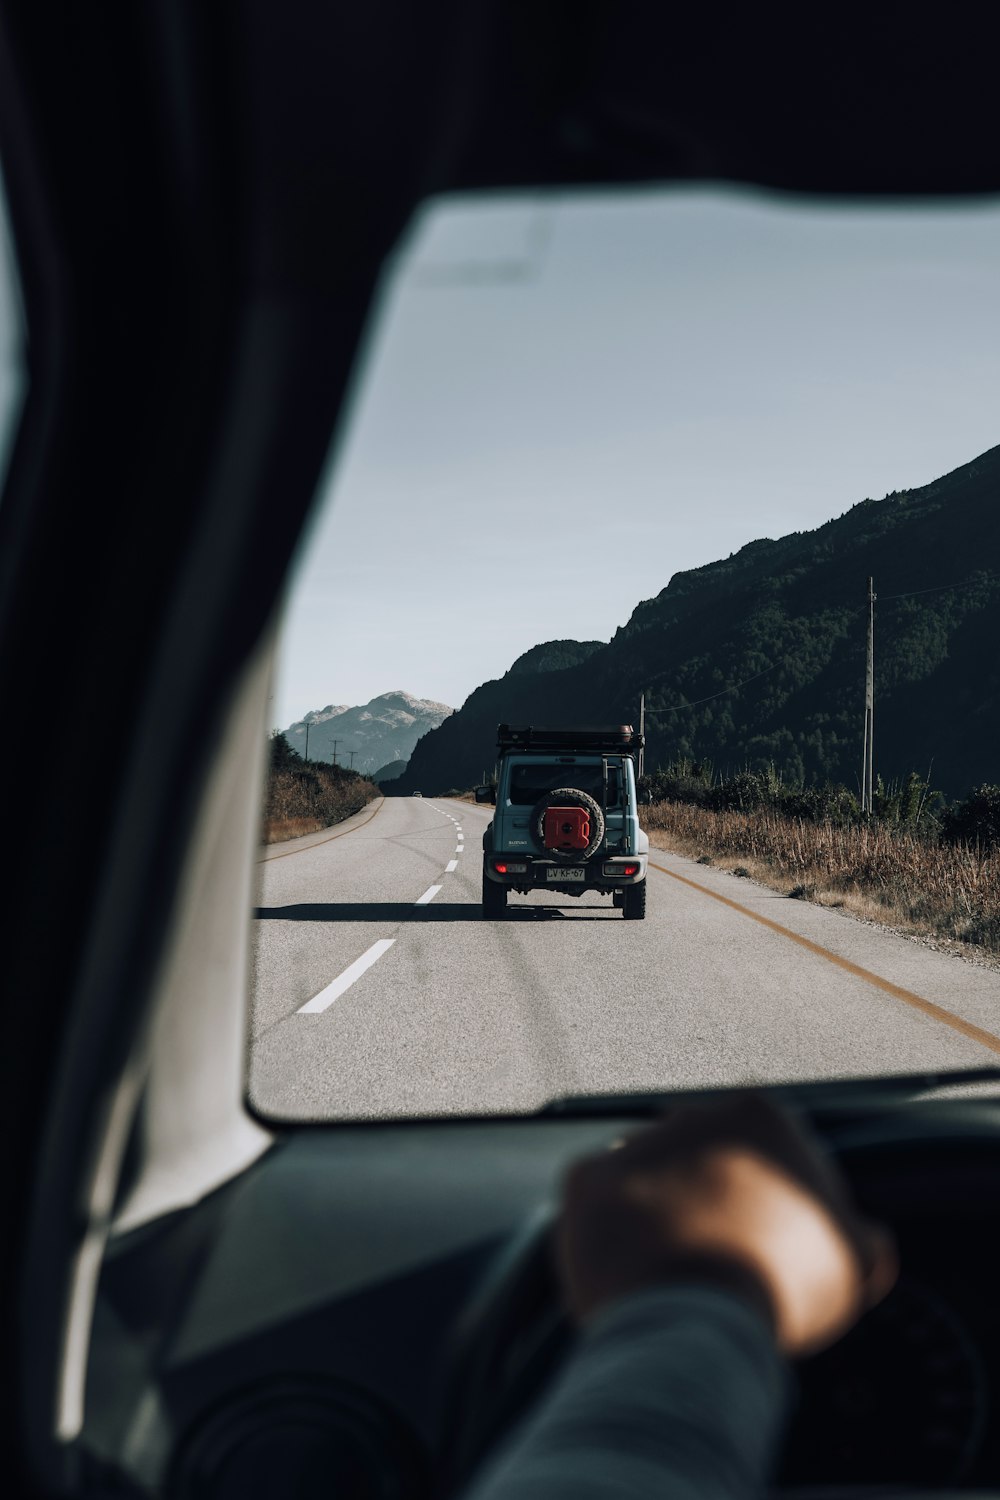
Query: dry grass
(949, 893)
(276, 830)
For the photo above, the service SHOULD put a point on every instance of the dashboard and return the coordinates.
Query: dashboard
(365, 1296)
(910, 1395)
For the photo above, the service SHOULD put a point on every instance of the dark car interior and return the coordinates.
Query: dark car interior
(202, 199)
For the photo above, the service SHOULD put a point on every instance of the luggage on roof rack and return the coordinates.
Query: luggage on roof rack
(609, 738)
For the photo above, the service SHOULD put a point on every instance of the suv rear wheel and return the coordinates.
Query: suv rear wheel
(635, 902)
(494, 897)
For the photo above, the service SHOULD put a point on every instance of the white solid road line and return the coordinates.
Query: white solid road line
(333, 991)
(428, 895)
(451, 865)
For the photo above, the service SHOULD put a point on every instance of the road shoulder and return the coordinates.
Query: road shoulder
(269, 852)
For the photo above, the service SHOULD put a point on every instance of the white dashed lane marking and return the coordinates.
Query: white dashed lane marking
(336, 987)
(344, 981)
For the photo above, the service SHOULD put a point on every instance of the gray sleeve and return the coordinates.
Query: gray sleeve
(677, 1392)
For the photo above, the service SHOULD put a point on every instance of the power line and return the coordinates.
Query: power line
(734, 687)
(941, 588)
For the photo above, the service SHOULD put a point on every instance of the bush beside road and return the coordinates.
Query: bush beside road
(305, 796)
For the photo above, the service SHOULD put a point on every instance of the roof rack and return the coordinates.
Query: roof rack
(618, 738)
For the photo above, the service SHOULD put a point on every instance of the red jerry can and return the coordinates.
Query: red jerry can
(567, 828)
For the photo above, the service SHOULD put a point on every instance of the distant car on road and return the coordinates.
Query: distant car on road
(418, 794)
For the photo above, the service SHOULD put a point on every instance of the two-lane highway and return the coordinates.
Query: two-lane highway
(379, 989)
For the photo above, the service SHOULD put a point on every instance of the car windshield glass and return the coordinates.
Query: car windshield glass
(706, 481)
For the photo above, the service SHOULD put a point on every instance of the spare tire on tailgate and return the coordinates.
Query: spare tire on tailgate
(569, 796)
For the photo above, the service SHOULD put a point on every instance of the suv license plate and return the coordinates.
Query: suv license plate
(561, 875)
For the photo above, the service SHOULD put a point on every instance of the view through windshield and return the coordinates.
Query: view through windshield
(697, 494)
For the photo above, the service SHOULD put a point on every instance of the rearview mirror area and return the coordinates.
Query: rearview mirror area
(486, 794)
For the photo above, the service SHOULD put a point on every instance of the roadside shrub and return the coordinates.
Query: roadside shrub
(745, 791)
(820, 804)
(907, 804)
(301, 793)
(976, 821)
(680, 781)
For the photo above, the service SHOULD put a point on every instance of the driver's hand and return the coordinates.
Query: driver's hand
(734, 1194)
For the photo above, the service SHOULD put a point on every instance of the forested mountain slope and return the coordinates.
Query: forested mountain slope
(759, 657)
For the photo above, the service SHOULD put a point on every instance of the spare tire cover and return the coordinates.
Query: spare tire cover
(569, 796)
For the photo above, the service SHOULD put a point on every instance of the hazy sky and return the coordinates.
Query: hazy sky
(567, 399)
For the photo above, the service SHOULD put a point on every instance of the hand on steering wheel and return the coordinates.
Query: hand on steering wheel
(734, 1194)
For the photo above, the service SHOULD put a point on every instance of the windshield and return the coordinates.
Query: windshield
(715, 467)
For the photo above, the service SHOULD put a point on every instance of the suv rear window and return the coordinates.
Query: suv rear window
(528, 783)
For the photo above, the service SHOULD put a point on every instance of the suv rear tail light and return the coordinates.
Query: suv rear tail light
(621, 867)
(509, 866)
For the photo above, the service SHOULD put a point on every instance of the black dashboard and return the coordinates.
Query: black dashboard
(909, 1396)
(365, 1296)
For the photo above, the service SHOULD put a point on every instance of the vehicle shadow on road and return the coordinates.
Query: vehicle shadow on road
(369, 911)
(400, 911)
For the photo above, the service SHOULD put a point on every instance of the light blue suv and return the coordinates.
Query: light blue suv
(566, 817)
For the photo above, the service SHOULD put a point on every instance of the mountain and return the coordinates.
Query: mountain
(760, 657)
(553, 656)
(384, 730)
(389, 772)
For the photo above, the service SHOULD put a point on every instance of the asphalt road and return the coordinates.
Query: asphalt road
(378, 989)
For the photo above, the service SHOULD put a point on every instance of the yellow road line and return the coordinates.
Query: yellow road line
(342, 835)
(936, 1012)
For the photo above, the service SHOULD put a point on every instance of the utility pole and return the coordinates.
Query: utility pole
(642, 732)
(307, 739)
(335, 744)
(868, 759)
(352, 754)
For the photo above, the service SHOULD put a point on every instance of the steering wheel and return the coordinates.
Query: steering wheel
(509, 1343)
(516, 1333)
